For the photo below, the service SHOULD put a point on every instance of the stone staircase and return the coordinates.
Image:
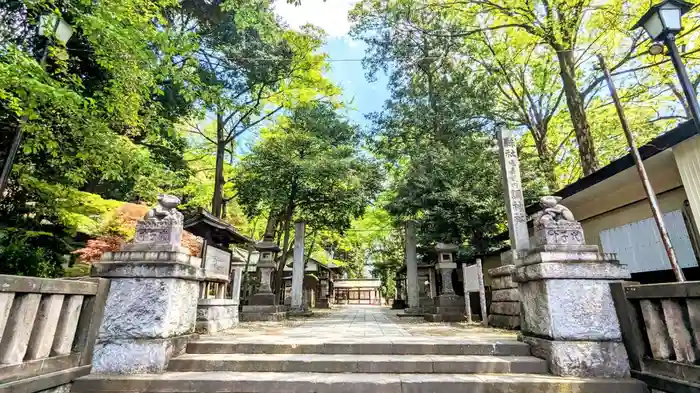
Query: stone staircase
(388, 365)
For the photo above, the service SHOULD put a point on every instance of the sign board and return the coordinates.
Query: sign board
(471, 278)
(474, 282)
(217, 264)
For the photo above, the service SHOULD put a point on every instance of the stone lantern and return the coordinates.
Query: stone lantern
(266, 266)
(445, 265)
(263, 304)
(448, 307)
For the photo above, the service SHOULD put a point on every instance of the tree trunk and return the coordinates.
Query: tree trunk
(244, 275)
(311, 249)
(577, 111)
(250, 247)
(285, 250)
(217, 199)
(288, 215)
(545, 156)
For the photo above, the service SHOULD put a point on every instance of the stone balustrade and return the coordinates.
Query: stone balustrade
(48, 329)
(660, 326)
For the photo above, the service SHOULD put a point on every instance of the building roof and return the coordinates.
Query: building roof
(208, 226)
(657, 145)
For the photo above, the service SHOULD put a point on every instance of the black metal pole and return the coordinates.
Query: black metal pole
(687, 86)
(10, 159)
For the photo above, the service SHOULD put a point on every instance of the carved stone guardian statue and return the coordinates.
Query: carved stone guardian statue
(161, 227)
(555, 224)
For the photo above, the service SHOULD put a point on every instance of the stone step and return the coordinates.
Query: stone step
(400, 346)
(234, 382)
(359, 363)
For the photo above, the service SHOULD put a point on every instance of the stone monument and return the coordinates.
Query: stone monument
(263, 304)
(324, 285)
(151, 308)
(448, 306)
(399, 302)
(505, 306)
(425, 287)
(220, 312)
(567, 312)
(298, 305)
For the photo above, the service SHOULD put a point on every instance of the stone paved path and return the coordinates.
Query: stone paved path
(362, 322)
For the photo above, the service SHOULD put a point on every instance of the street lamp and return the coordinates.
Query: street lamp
(662, 22)
(49, 25)
(52, 25)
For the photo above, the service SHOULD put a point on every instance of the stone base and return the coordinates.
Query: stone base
(445, 317)
(505, 308)
(66, 388)
(263, 313)
(569, 309)
(446, 308)
(601, 359)
(504, 321)
(214, 315)
(263, 299)
(425, 303)
(505, 295)
(398, 304)
(449, 301)
(323, 303)
(138, 356)
(412, 312)
(299, 313)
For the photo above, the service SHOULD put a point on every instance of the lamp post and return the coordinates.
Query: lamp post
(662, 22)
(52, 26)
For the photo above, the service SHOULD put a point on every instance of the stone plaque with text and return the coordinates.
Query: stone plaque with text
(217, 264)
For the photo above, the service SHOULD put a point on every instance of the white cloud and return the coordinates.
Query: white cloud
(330, 15)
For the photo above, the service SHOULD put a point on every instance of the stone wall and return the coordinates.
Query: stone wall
(505, 298)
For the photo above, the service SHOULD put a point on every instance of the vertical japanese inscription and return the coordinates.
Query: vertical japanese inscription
(512, 189)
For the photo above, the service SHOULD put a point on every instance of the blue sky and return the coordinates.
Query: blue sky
(361, 96)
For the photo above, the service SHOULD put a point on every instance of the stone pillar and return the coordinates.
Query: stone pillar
(446, 269)
(298, 303)
(263, 304)
(412, 287)
(505, 309)
(448, 307)
(151, 308)
(512, 188)
(237, 266)
(568, 316)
